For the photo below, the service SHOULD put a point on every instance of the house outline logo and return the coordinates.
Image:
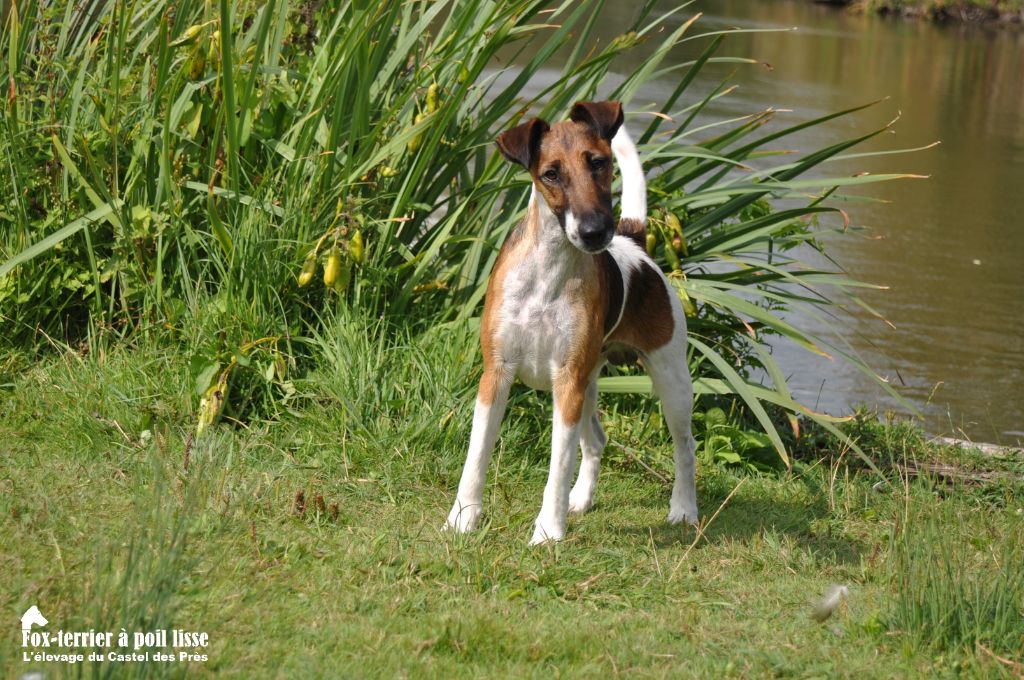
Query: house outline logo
(32, 617)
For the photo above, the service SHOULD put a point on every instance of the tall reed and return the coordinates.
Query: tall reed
(185, 169)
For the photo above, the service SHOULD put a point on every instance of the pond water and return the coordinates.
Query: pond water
(950, 248)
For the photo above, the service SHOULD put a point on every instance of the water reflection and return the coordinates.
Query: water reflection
(952, 245)
(950, 248)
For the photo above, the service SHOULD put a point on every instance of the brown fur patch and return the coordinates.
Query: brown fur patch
(635, 230)
(604, 117)
(647, 320)
(615, 290)
(521, 143)
(570, 394)
(568, 148)
(493, 369)
(590, 295)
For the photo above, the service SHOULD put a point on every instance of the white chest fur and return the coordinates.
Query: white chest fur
(537, 321)
(539, 313)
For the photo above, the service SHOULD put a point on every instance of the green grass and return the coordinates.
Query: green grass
(956, 591)
(104, 526)
(169, 167)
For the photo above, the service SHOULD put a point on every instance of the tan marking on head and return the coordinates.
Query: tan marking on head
(573, 170)
(647, 319)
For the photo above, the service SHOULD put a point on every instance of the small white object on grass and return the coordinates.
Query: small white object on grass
(833, 596)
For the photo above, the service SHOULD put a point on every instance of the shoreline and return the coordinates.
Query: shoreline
(969, 12)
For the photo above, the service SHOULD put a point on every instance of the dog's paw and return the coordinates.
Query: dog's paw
(580, 501)
(463, 518)
(680, 515)
(546, 532)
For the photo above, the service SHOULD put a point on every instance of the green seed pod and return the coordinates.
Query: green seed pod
(652, 243)
(189, 35)
(675, 229)
(432, 98)
(689, 308)
(308, 269)
(333, 267)
(213, 54)
(344, 276)
(355, 247)
(416, 142)
(212, 402)
(387, 171)
(197, 64)
(672, 259)
(672, 222)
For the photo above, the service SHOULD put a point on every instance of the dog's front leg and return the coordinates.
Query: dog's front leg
(592, 443)
(565, 437)
(491, 399)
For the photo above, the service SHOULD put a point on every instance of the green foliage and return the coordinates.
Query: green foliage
(115, 515)
(137, 582)
(722, 442)
(220, 143)
(957, 592)
(187, 170)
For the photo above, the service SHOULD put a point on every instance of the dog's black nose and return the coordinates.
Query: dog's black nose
(596, 230)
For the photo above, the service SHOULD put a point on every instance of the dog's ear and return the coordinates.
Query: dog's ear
(522, 143)
(604, 117)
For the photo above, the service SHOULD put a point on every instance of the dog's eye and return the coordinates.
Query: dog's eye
(598, 163)
(551, 175)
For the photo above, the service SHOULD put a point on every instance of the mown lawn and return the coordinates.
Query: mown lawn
(108, 523)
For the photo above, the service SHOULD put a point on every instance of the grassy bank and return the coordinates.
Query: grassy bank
(184, 175)
(310, 545)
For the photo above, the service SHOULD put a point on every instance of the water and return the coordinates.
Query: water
(950, 248)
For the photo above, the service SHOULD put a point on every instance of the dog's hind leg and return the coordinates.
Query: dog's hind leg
(671, 377)
(490, 407)
(592, 442)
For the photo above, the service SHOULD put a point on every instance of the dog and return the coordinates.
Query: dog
(567, 290)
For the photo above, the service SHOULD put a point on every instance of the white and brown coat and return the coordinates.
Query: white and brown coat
(567, 289)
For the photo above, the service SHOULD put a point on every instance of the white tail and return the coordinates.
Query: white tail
(634, 186)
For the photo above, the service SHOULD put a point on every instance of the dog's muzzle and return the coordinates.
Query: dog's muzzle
(596, 231)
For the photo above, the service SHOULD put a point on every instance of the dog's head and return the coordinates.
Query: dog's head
(571, 166)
